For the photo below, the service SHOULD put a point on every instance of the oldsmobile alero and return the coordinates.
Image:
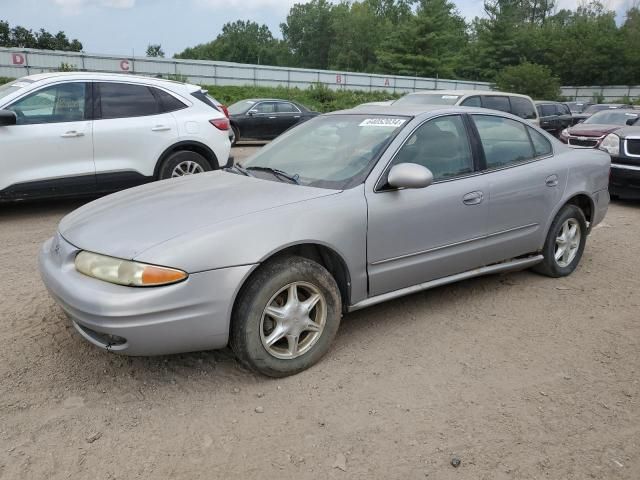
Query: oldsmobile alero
(342, 212)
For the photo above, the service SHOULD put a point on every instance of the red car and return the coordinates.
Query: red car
(591, 132)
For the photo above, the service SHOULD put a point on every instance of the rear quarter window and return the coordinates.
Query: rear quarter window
(168, 102)
(523, 108)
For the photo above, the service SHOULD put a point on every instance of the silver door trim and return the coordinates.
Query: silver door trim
(514, 264)
(455, 244)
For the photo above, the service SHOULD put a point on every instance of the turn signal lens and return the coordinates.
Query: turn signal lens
(125, 272)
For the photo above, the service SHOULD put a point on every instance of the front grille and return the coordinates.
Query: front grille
(633, 146)
(583, 143)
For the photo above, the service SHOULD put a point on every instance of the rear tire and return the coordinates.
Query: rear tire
(565, 243)
(182, 163)
(279, 333)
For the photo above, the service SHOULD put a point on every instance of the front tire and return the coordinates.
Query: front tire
(565, 243)
(286, 317)
(183, 163)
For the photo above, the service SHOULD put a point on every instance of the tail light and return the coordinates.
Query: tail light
(225, 110)
(220, 123)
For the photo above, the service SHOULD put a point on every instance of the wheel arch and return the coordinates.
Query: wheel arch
(321, 253)
(583, 201)
(191, 146)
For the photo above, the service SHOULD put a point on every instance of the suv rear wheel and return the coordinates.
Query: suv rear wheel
(182, 163)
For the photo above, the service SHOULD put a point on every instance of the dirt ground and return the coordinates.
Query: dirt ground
(519, 376)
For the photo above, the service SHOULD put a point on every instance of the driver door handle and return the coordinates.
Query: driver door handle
(72, 134)
(473, 198)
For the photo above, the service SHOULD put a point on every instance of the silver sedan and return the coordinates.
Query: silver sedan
(345, 211)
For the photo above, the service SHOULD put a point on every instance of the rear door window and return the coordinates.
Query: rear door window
(523, 108)
(122, 100)
(286, 107)
(495, 102)
(505, 141)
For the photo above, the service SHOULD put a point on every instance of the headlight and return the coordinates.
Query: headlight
(565, 133)
(125, 272)
(611, 144)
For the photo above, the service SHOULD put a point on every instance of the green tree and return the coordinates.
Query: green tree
(309, 33)
(242, 42)
(155, 50)
(21, 37)
(537, 81)
(428, 43)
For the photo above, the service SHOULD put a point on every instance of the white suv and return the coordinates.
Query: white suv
(64, 134)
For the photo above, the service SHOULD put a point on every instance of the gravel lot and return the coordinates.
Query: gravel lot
(519, 376)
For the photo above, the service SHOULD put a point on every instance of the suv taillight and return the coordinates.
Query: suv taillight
(220, 123)
(225, 110)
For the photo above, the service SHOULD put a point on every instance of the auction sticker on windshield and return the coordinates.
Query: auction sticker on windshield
(383, 122)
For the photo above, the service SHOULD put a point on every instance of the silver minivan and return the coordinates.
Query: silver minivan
(516, 104)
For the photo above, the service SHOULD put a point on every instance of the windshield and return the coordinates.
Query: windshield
(333, 151)
(427, 99)
(611, 117)
(577, 107)
(241, 107)
(599, 108)
(12, 87)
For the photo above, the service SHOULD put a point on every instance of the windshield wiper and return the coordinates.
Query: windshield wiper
(277, 173)
(239, 168)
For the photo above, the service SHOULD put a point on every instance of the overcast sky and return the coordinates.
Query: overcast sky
(123, 26)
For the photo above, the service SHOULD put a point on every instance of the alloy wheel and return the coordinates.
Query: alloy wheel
(293, 320)
(567, 243)
(186, 168)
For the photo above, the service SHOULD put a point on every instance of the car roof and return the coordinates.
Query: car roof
(621, 110)
(548, 102)
(38, 77)
(416, 110)
(468, 92)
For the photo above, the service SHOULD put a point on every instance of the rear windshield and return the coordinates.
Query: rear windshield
(427, 99)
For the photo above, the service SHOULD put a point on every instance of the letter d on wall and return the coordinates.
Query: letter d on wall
(17, 59)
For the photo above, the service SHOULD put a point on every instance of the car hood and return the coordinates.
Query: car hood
(127, 223)
(592, 130)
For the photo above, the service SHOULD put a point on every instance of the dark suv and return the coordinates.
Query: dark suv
(554, 116)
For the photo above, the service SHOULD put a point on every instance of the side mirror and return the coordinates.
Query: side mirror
(7, 118)
(410, 175)
(251, 113)
(632, 121)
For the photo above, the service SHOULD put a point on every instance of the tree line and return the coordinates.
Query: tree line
(21, 37)
(524, 45)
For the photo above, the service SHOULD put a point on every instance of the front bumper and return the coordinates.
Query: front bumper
(625, 180)
(189, 316)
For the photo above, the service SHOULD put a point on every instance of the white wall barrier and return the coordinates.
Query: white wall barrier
(20, 62)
